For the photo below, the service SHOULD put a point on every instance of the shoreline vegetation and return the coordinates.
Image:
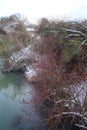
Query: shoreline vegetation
(53, 56)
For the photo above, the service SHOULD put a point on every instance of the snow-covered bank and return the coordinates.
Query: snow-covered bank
(24, 60)
(10, 27)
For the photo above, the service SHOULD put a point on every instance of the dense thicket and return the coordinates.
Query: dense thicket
(62, 80)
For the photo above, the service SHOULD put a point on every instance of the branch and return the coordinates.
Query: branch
(81, 126)
(73, 35)
(74, 31)
(84, 42)
(69, 113)
(62, 100)
(76, 114)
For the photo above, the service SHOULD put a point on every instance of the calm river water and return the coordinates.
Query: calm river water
(17, 110)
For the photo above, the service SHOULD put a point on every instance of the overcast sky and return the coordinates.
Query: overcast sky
(36, 9)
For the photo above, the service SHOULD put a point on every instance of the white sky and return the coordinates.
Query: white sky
(35, 9)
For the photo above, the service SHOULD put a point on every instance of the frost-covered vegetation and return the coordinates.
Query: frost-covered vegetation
(58, 56)
(62, 80)
(13, 35)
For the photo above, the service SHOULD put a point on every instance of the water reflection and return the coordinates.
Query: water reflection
(17, 111)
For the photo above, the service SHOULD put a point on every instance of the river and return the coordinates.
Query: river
(17, 109)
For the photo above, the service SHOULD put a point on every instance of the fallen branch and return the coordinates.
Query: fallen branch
(81, 126)
(75, 31)
(73, 35)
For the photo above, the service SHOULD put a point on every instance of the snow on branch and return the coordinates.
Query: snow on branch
(74, 31)
(81, 126)
(70, 113)
(84, 42)
(73, 35)
(75, 113)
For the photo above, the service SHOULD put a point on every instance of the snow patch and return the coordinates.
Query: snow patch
(10, 27)
(31, 29)
(79, 92)
(30, 73)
